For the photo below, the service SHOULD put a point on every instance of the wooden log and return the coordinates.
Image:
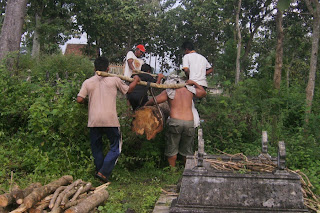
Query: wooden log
(39, 208)
(81, 190)
(149, 121)
(40, 193)
(62, 194)
(55, 195)
(144, 83)
(89, 203)
(7, 198)
(3, 210)
(24, 193)
(76, 202)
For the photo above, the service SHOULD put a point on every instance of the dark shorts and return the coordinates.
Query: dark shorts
(179, 137)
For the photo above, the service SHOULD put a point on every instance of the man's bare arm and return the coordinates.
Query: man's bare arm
(130, 63)
(134, 83)
(162, 97)
(200, 91)
(208, 71)
(186, 71)
(160, 76)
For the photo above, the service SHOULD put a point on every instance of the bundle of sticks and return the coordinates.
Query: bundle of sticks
(311, 200)
(61, 195)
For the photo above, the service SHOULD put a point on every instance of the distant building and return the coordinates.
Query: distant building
(82, 50)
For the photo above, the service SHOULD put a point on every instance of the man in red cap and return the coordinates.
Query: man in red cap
(133, 61)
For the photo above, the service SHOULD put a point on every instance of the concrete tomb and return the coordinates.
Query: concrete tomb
(205, 189)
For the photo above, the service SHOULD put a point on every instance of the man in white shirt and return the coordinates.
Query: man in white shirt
(133, 61)
(195, 66)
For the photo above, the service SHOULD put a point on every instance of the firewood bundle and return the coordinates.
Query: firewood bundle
(62, 195)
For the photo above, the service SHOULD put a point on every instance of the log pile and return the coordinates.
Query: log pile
(61, 195)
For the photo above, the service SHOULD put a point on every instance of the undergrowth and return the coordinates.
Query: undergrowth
(43, 133)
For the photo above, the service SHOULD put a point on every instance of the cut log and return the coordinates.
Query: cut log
(149, 121)
(3, 210)
(89, 203)
(7, 198)
(55, 195)
(39, 208)
(17, 195)
(24, 193)
(40, 193)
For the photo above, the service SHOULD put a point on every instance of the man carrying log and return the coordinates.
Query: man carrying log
(133, 61)
(195, 66)
(181, 130)
(139, 96)
(102, 116)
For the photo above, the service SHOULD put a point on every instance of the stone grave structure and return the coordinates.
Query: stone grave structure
(205, 189)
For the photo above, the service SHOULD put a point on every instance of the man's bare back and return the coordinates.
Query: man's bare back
(181, 105)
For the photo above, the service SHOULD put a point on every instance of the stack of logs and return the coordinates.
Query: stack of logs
(62, 195)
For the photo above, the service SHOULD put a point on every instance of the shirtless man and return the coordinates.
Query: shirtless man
(180, 134)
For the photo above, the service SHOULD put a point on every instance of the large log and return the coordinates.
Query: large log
(40, 193)
(149, 121)
(144, 83)
(90, 203)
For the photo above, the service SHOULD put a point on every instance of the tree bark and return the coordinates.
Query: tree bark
(11, 31)
(237, 79)
(279, 51)
(43, 191)
(90, 203)
(314, 9)
(149, 121)
(36, 37)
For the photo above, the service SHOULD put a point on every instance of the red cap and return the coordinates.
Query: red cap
(141, 47)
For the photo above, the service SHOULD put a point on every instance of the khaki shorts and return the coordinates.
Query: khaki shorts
(179, 137)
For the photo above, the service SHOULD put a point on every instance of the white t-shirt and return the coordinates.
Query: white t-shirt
(137, 63)
(197, 65)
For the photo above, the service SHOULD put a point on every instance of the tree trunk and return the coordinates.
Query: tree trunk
(314, 8)
(279, 51)
(43, 191)
(11, 31)
(238, 44)
(90, 203)
(36, 38)
(149, 121)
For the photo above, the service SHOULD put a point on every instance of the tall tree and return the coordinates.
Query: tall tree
(238, 30)
(11, 31)
(314, 9)
(279, 50)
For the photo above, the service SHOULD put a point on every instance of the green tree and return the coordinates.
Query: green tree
(49, 24)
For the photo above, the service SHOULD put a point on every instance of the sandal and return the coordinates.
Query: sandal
(102, 177)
